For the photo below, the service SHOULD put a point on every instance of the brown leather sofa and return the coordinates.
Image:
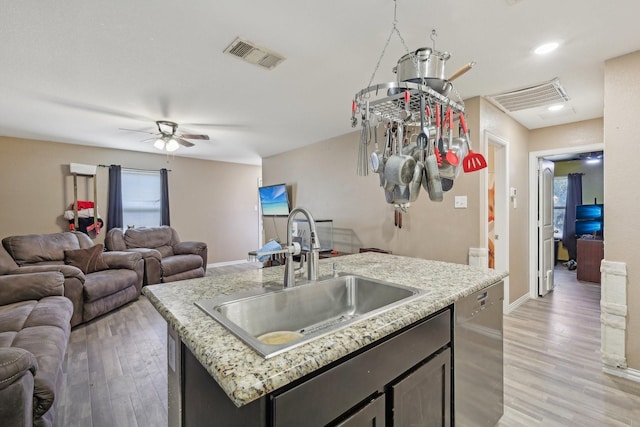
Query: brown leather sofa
(166, 258)
(93, 293)
(34, 333)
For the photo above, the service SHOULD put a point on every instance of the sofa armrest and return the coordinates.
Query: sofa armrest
(196, 248)
(30, 286)
(184, 248)
(122, 259)
(15, 362)
(69, 271)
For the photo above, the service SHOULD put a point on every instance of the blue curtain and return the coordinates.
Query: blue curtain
(114, 213)
(574, 198)
(164, 197)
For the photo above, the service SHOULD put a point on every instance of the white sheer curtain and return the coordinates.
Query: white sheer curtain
(141, 198)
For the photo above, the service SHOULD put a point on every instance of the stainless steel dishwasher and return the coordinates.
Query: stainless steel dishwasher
(478, 358)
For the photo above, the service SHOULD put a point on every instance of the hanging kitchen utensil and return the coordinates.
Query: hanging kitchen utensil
(423, 138)
(431, 176)
(473, 161)
(451, 156)
(365, 136)
(447, 184)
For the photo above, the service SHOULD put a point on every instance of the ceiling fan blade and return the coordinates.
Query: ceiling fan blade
(205, 137)
(217, 125)
(137, 130)
(184, 142)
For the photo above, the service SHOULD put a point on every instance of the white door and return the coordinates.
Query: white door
(546, 255)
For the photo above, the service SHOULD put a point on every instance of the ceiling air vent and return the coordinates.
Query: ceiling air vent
(251, 52)
(548, 93)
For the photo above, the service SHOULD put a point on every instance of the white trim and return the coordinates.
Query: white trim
(517, 303)
(627, 373)
(501, 167)
(225, 263)
(533, 204)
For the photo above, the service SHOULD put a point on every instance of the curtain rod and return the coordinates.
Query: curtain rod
(135, 169)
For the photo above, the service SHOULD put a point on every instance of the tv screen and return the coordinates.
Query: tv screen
(589, 211)
(274, 200)
(588, 227)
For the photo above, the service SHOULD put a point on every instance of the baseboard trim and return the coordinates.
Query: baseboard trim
(628, 373)
(517, 303)
(222, 264)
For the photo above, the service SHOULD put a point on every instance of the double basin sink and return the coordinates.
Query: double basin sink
(274, 321)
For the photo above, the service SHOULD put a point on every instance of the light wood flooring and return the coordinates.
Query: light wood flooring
(115, 368)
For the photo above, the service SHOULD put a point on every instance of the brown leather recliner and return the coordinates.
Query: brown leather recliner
(166, 258)
(34, 333)
(92, 294)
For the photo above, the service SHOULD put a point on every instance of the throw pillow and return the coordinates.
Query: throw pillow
(88, 260)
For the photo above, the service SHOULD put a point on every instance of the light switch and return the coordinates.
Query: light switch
(460, 202)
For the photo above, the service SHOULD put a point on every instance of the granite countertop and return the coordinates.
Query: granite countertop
(246, 376)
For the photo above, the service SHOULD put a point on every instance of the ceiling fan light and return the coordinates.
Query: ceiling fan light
(172, 145)
(159, 144)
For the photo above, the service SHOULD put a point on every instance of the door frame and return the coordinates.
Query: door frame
(501, 168)
(533, 204)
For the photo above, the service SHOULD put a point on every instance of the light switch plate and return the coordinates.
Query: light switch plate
(460, 202)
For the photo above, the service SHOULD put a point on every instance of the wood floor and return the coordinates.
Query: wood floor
(115, 367)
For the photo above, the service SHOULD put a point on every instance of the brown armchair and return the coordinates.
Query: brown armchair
(166, 258)
(93, 293)
(34, 332)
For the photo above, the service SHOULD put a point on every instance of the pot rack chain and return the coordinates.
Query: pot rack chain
(394, 29)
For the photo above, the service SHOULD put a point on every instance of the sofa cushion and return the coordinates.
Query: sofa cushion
(35, 248)
(104, 283)
(7, 264)
(13, 316)
(180, 263)
(148, 237)
(88, 260)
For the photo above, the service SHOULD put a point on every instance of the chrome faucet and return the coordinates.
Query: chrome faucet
(313, 256)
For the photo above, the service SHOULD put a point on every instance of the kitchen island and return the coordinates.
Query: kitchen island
(247, 379)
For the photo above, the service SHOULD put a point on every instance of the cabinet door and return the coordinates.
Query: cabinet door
(372, 415)
(423, 398)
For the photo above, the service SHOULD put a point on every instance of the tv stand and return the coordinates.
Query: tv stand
(590, 253)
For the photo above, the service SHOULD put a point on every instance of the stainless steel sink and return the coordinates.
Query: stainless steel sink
(272, 322)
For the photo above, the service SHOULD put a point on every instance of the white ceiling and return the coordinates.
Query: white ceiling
(79, 70)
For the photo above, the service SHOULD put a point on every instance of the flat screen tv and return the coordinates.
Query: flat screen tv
(274, 200)
(595, 211)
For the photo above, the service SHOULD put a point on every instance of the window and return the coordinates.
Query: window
(141, 198)
(559, 205)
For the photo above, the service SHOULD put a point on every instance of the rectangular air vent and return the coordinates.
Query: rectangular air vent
(254, 54)
(548, 93)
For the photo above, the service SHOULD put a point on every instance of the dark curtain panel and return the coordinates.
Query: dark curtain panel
(164, 197)
(114, 213)
(574, 198)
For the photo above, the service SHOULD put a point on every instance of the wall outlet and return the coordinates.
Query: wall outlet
(460, 202)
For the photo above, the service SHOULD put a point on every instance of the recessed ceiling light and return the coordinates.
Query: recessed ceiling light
(556, 107)
(546, 48)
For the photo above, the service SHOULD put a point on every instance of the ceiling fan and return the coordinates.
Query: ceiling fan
(167, 139)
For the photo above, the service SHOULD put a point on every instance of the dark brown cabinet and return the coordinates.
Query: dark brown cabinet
(590, 253)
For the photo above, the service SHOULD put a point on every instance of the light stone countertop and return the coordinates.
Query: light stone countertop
(246, 376)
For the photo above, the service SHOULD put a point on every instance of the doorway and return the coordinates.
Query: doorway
(494, 226)
(536, 249)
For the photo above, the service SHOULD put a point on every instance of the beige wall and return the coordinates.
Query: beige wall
(564, 136)
(621, 174)
(210, 201)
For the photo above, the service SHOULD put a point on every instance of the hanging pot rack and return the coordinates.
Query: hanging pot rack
(386, 102)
